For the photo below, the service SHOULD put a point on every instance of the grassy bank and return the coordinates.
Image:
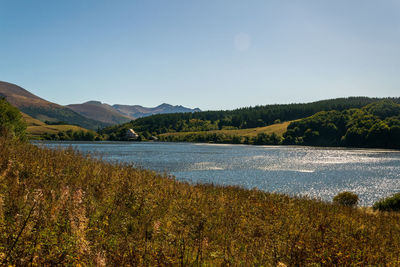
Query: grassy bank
(59, 207)
(37, 129)
(278, 128)
(271, 135)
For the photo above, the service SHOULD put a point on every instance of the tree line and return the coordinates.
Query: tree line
(376, 125)
(243, 118)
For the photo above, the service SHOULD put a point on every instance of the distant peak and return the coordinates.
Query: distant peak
(165, 105)
(93, 102)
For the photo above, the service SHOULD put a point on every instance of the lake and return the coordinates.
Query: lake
(315, 172)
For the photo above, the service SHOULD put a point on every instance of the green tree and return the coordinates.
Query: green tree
(346, 199)
(11, 121)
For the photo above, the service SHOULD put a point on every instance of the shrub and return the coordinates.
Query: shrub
(11, 121)
(346, 199)
(391, 203)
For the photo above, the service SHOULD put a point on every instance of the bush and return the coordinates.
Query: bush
(346, 199)
(11, 121)
(391, 203)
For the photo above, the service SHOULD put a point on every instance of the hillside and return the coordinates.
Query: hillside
(101, 112)
(259, 135)
(375, 125)
(43, 110)
(137, 111)
(278, 128)
(244, 118)
(36, 128)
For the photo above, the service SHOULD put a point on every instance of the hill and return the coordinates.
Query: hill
(36, 128)
(137, 111)
(101, 112)
(244, 118)
(376, 125)
(43, 110)
(257, 135)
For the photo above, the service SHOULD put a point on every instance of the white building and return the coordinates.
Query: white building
(130, 134)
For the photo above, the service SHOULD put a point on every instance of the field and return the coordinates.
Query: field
(35, 127)
(62, 208)
(278, 128)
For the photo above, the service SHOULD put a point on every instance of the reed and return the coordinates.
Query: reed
(60, 207)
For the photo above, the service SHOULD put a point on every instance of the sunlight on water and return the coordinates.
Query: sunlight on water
(316, 172)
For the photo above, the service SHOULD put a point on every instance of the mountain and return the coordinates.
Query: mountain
(137, 111)
(101, 112)
(44, 110)
(118, 114)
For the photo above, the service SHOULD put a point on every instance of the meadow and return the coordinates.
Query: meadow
(36, 129)
(277, 128)
(60, 207)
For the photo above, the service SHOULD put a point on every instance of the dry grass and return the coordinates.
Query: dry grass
(36, 127)
(278, 128)
(58, 207)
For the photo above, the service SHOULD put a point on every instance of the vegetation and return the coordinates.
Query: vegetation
(11, 121)
(391, 203)
(269, 135)
(375, 125)
(71, 135)
(56, 114)
(39, 130)
(348, 199)
(243, 118)
(260, 139)
(62, 208)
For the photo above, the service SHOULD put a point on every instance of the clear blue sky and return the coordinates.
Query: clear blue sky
(211, 54)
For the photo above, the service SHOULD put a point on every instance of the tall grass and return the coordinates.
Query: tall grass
(59, 207)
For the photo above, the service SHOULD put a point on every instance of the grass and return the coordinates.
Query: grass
(278, 128)
(36, 128)
(62, 208)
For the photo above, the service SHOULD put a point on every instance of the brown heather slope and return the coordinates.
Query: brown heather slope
(19, 97)
(32, 121)
(43, 110)
(101, 112)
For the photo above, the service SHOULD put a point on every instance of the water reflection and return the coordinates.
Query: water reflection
(316, 172)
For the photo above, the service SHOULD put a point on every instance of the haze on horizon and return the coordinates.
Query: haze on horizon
(208, 54)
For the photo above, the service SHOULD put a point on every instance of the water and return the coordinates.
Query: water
(315, 172)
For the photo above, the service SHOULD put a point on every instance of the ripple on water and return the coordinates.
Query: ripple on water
(315, 172)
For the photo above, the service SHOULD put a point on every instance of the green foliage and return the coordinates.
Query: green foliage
(11, 121)
(243, 118)
(348, 199)
(205, 137)
(63, 115)
(375, 125)
(62, 208)
(72, 136)
(391, 203)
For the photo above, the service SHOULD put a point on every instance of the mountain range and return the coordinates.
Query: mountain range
(117, 113)
(90, 115)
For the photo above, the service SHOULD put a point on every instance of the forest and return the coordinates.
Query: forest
(242, 118)
(350, 122)
(376, 125)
